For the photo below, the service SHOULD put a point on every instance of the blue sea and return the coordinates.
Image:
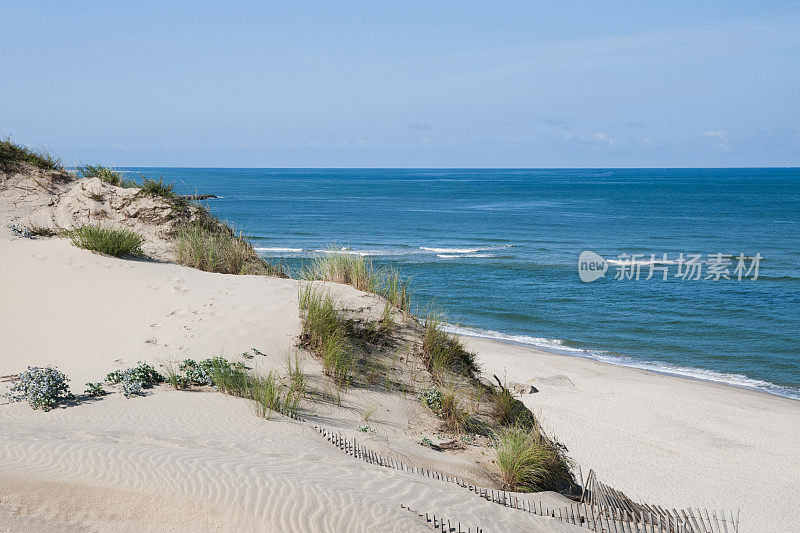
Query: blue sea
(497, 251)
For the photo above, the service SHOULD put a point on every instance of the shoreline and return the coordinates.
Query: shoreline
(617, 361)
(658, 437)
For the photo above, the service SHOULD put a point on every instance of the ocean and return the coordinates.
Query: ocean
(497, 251)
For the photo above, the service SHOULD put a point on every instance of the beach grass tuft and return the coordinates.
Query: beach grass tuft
(529, 462)
(217, 248)
(325, 334)
(503, 406)
(359, 272)
(455, 417)
(442, 351)
(106, 240)
(13, 154)
(270, 394)
(158, 187)
(105, 174)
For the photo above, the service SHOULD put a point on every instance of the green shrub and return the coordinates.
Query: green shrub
(12, 155)
(95, 390)
(106, 240)
(142, 372)
(431, 397)
(325, 334)
(529, 462)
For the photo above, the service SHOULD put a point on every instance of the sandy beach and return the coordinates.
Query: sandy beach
(188, 460)
(673, 440)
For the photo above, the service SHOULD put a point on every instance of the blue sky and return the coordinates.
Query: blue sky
(405, 84)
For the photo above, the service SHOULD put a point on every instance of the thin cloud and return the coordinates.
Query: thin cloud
(422, 126)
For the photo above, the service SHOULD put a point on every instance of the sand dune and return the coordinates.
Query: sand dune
(188, 461)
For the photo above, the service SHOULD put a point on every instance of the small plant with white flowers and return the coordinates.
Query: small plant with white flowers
(42, 387)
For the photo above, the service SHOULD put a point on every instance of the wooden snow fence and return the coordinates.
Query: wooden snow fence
(600, 509)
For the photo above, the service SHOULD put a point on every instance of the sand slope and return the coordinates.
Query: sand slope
(177, 460)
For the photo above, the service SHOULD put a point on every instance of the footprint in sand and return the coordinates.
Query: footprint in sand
(155, 325)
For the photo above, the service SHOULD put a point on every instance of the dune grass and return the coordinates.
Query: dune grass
(358, 271)
(325, 334)
(529, 462)
(105, 174)
(270, 394)
(216, 248)
(158, 187)
(12, 155)
(106, 240)
(455, 417)
(443, 352)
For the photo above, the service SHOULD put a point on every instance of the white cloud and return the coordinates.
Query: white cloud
(603, 137)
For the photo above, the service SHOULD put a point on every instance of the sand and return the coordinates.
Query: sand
(192, 460)
(663, 439)
(176, 460)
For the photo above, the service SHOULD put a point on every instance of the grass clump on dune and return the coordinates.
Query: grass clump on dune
(454, 416)
(12, 155)
(358, 271)
(269, 392)
(105, 174)
(325, 334)
(442, 351)
(106, 240)
(216, 248)
(158, 187)
(529, 462)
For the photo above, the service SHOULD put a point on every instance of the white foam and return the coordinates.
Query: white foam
(454, 256)
(557, 346)
(276, 249)
(450, 250)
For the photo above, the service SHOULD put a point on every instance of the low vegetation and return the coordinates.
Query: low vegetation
(95, 390)
(325, 334)
(133, 381)
(358, 271)
(455, 417)
(509, 411)
(13, 155)
(216, 248)
(42, 387)
(105, 174)
(112, 176)
(442, 352)
(106, 240)
(268, 392)
(529, 462)
(158, 187)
